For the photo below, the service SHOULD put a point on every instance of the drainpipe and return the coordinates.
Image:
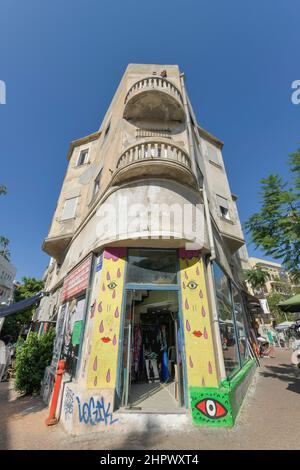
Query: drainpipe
(211, 284)
(189, 125)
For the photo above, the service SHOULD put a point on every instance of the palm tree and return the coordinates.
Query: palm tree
(257, 278)
(3, 189)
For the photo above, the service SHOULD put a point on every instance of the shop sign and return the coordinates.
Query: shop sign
(77, 281)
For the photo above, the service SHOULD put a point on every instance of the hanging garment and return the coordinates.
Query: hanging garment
(137, 348)
(154, 368)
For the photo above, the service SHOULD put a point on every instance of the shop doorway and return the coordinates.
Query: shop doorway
(152, 360)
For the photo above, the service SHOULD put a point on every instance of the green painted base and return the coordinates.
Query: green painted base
(219, 407)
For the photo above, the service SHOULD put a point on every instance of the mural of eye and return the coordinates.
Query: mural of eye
(112, 285)
(211, 408)
(192, 285)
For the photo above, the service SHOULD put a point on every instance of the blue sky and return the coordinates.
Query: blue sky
(62, 61)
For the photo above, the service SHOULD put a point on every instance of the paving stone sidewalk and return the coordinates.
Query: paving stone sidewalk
(270, 419)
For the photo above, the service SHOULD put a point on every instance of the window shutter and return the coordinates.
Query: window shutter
(222, 201)
(69, 208)
(213, 154)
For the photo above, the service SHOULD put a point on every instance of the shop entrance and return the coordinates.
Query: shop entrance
(152, 360)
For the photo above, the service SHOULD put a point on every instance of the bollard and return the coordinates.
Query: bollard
(51, 420)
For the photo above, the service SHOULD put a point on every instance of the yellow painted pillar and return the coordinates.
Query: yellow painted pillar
(103, 357)
(199, 346)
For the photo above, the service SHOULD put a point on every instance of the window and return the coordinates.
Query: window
(226, 321)
(213, 155)
(152, 266)
(96, 184)
(106, 131)
(233, 324)
(83, 157)
(223, 207)
(240, 321)
(69, 208)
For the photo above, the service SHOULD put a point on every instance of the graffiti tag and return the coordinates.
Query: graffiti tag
(95, 412)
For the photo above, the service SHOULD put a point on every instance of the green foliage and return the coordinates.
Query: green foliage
(273, 300)
(3, 189)
(256, 277)
(32, 357)
(276, 227)
(14, 324)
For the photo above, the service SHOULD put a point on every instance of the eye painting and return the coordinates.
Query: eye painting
(192, 285)
(211, 408)
(112, 285)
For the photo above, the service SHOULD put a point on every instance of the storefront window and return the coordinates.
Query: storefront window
(72, 334)
(226, 322)
(152, 266)
(240, 324)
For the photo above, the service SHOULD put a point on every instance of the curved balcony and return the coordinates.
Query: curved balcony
(154, 159)
(154, 99)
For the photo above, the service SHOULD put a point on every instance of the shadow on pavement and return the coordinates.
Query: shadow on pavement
(12, 407)
(286, 373)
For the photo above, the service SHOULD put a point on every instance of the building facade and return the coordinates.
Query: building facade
(7, 277)
(278, 279)
(145, 267)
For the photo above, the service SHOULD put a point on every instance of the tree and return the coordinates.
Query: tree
(3, 248)
(256, 277)
(32, 357)
(3, 240)
(273, 300)
(276, 227)
(14, 324)
(3, 189)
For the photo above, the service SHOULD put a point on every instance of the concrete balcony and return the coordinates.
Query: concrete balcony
(154, 99)
(154, 159)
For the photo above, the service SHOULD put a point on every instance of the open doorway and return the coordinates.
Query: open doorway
(152, 372)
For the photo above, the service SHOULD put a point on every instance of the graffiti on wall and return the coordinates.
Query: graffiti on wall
(95, 411)
(210, 407)
(201, 366)
(102, 366)
(68, 403)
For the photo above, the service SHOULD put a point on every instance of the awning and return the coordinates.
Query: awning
(291, 305)
(253, 304)
(20, 306)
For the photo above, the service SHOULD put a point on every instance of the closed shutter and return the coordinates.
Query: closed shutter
(213, 154)
(69, 208)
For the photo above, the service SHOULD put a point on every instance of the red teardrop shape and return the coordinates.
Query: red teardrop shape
(185, 275)
(203, 312)
(95, 364)
(114, 294)
(119, 272)
(209, 368)
(188, 327)
(197, 271)
(186, 304)
(93, 309)
(201, 294)
(108, 376)
(103, 287)
(203, 382)
(100, 307)
(191, 362)
(101, 327)
(183, 285)
(114, 340)
(117, 313)
(95, 381)
(205, 333)
(108, 276)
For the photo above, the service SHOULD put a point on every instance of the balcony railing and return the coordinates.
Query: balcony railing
(154, 83)
(154, 151)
